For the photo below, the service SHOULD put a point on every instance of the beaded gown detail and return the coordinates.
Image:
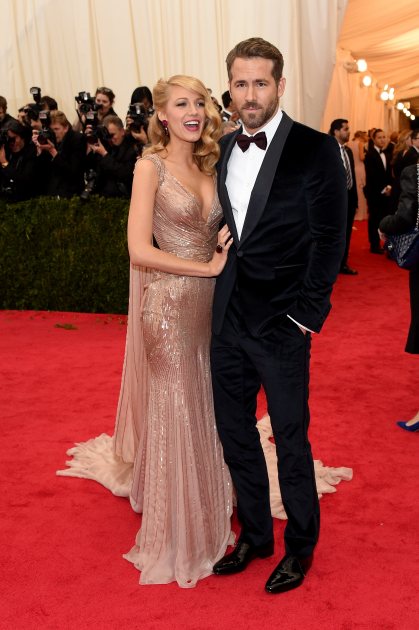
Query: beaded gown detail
(165, 454)
(165, 420)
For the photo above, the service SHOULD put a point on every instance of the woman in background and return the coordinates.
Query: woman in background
(399, 223)
(402, 146)
(358, 144)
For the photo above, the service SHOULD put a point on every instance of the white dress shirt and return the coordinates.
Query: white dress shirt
(384, 161)
(382, 156)
(242, 170)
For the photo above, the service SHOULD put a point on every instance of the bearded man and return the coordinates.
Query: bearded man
(283, 190)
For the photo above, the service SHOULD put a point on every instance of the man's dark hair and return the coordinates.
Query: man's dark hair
(415, 134)
(51, 103)
(226, 98)
(336, 124)
(374, 133)
(3, 103)
(257, 47)
(24, 131)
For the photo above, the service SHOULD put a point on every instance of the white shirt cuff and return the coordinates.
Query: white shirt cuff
(300, 325)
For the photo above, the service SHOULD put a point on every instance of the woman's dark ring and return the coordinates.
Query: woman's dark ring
(219, 249)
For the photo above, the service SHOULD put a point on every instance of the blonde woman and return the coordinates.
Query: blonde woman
(165, 453)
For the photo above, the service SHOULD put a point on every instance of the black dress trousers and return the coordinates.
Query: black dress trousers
(279, 360)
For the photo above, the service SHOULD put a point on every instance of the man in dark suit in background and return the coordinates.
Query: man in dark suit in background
(378, 187)
(283, 190)
(339, 129)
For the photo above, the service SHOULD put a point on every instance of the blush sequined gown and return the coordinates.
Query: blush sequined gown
(165, 454)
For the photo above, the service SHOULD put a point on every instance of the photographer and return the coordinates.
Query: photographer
(102, 103)
(4, 116)
(111, 157)
(61, 154)
(18, 165)
(29, 115)
(136, 124)
(143, 96)
(21, 115)
(105, 99)
(229, 112)
(30, 112)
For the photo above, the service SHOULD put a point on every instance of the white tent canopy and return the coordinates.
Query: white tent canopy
(67, 46)
(386, 35)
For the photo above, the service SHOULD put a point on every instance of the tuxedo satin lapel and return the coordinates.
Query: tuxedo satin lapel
(222, 188)
(263, 183)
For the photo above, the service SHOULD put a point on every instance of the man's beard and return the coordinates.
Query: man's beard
(258, 118)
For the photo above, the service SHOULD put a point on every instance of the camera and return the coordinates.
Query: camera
(32, 110)
(86, 103)
(91, 176)
(46, 134)
(8, 188)
(36, 94)
(139, 117)
(99, 132)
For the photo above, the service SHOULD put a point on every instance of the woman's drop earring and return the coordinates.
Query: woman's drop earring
(166, 127)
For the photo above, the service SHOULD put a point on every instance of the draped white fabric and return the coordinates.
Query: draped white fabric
(348, 99)
(386, 35)
(65, 46)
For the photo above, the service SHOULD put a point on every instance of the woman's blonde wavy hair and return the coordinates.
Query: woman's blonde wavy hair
(402, 145)
(206, 150)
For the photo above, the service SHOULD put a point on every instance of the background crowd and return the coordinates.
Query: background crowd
(43, 153)
(374, 165)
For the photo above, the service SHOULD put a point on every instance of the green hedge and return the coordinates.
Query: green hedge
(64, 255)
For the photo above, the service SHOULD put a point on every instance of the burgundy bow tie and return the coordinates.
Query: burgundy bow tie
(259, 139)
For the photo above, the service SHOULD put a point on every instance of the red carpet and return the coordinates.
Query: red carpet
(62, 539)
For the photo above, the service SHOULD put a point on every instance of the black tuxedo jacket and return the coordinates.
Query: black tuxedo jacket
(64, 173)
(293, 238)
(377, 177)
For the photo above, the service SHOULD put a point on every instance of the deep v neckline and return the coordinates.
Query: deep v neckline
(192, 194)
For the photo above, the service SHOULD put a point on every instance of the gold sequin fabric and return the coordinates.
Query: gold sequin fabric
(180, 481)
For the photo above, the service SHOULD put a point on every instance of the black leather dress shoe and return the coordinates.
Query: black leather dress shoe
(240, 557)
(289, 574)
(348, 271)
